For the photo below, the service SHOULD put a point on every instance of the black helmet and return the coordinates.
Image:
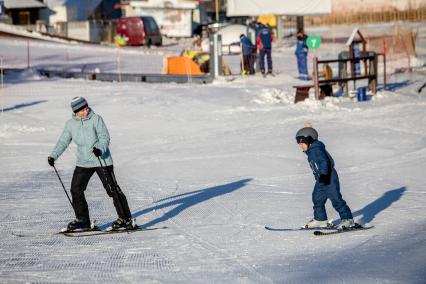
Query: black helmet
(306, 135)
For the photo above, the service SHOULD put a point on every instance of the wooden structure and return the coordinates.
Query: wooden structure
(322, 85)
(356, 64)
(354, 41)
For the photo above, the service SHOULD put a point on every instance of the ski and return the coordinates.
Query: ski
(357, 227)
(91, 233)
(92, 228)
(297, 229)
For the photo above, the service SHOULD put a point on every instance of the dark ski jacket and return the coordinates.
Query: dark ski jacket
(265, 38)
(321, 163)
(247, 46)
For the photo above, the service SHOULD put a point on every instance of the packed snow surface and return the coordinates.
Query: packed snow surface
(215, 164)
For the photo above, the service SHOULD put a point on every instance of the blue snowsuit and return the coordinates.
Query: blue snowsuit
(264, 43)
(302, 60)
(327, 183)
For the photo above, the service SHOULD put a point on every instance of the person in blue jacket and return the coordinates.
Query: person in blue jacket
(301, 53)
(247, 49)
(326, 181)
(89, 132)
(264, 44)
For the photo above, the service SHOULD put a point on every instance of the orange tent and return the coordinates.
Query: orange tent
(182, 65)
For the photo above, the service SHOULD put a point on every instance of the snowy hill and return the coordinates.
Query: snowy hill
(215, 163)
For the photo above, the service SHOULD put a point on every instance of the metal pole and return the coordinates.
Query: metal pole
(28, 54)
(217, 10)
(279, 29)
(384, 71)
(66, 56)
(316, 78)
(118, 65)
(1, 83)
(215, 55)
(115, 189)
(63, 186)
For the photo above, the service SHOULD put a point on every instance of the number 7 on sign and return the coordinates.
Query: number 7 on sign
(313, 42)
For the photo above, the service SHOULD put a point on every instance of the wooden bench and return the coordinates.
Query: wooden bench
(302, 91)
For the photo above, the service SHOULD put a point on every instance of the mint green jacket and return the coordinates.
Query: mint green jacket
(86, 133)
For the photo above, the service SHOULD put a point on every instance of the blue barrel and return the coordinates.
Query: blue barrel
(362, 94)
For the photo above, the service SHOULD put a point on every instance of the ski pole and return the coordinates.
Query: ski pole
(113, 184)
(105, 168)
(69, 199)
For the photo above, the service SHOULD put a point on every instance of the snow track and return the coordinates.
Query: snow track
(215, 164)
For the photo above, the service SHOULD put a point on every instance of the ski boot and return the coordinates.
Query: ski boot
(124, 224)
(347, 224)
(315, 224)
(79, 225)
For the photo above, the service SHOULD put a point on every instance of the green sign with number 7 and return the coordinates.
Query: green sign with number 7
(313, 42)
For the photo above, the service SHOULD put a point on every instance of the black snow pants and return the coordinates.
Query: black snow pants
(79, 182)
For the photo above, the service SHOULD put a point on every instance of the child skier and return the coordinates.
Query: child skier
(90, 134)
(327, 181)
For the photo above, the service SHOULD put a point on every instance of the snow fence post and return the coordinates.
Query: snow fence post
(316, 85)
(118, 64)
(1, 83)
(28, 54)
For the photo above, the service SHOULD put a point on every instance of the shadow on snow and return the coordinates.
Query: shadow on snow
(370, 211)
(394, 86)
(174, 205)
(24, 105)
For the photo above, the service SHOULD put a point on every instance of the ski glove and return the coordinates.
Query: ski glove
(51, 161)
(97, 152)
(324, 179)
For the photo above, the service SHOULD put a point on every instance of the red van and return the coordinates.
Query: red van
(139, 30)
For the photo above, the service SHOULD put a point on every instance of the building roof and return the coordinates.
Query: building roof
(275, 7)
(356, 36)
(164, 4)
(21, 4)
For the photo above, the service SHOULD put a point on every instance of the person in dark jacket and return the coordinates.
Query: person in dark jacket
(301, 53)
(326, 181)
(264, 44)
(90, 134)
(247, 49)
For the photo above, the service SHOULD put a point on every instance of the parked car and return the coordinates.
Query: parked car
(139, 30)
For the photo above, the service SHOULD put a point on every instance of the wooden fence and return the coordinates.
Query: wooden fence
(368, 17)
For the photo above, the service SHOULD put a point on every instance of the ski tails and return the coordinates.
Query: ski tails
(278, 229)
(357, 227)
(93, 233)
